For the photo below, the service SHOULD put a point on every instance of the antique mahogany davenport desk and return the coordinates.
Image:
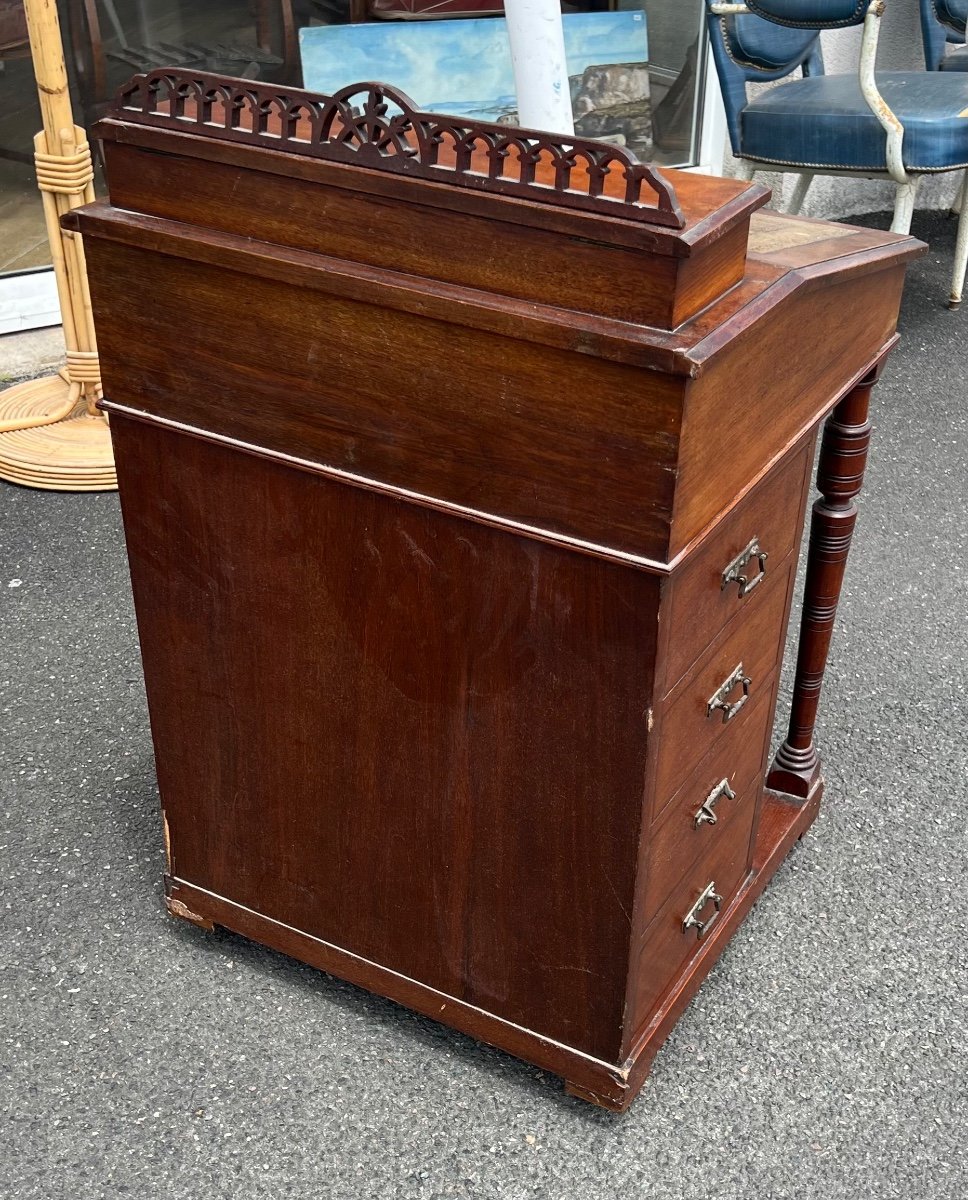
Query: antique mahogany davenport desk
(463, 474)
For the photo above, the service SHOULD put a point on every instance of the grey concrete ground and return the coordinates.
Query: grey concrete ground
(824, 1057)
(27, 355)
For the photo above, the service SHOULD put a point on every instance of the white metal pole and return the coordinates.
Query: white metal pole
(538, 61)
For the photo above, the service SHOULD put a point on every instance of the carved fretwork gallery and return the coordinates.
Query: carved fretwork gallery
(372, 124)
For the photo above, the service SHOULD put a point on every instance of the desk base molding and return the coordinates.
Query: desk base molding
(783, 820)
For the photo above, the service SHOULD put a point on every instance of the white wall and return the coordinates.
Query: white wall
(899, 50)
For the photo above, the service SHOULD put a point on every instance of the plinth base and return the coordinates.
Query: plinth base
(783, 820)
(71, 455)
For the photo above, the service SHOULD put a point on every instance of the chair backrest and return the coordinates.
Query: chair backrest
(811, 14)
(771, 41)
(748, 49)
(941, 21)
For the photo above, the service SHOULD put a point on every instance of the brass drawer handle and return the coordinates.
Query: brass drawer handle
(704, 813)
(691, 919)
(719, 698)
(734, 573)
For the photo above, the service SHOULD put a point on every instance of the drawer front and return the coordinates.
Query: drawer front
(701, 601)
(669, 943)
(705, 704)
(703, 812)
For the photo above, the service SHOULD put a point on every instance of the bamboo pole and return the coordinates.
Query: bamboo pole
(50, 71)
(51, 434)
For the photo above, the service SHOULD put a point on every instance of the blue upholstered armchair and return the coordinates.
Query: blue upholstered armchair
(944, 21)
(899, 125)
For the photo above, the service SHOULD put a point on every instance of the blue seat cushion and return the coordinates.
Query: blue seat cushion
(957, 60)
(824, 121)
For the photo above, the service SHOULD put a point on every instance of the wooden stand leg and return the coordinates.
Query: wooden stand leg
(840, 476)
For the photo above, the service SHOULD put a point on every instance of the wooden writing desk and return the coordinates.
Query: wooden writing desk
(463, 475)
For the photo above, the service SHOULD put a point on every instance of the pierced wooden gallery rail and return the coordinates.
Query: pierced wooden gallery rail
(374, 125)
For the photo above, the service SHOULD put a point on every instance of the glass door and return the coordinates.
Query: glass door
(655, 106)
(27, 294)
(105, 43)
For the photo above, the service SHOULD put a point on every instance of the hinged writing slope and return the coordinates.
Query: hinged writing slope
(523, 213)
(462, 601)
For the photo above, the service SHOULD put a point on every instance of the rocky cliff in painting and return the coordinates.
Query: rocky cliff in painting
(611, 103)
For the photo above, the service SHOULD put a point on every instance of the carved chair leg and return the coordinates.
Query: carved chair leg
(840, 476)
(804, 180)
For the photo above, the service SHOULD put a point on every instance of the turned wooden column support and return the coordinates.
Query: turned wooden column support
(840, 477)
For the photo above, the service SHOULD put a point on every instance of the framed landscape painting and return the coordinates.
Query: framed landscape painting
(463, 68)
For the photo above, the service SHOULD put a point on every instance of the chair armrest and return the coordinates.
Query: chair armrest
(875, 101)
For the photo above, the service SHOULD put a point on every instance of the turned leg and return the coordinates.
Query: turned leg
(840, 476)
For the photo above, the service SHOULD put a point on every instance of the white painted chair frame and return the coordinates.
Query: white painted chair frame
(906, 182)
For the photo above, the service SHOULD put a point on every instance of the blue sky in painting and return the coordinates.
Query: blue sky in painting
(459, 67)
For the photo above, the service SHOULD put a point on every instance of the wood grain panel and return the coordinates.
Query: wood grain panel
(778, 826)
(695, 598)
(444, 779)
(561, 441)
(702, 279)
(496, 256)
(675, 841)
(668, 948)
(685, 732)
(759, 393)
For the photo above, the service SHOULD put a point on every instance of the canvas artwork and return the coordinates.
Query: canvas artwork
(463, 68)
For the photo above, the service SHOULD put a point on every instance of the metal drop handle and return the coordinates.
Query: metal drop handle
(720, 698)
(691, 919)
(735, 573)
(704, 813)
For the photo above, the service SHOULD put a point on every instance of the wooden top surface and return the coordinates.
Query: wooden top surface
(786, 254)
(791, 242)
(285, 135)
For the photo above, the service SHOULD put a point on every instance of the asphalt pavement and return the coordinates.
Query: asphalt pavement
(825, 1056)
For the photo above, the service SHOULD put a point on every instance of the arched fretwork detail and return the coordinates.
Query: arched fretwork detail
(374, 125)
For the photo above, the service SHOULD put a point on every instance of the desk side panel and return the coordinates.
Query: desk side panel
(544, 437)
(499, 257)
(761, 391)
(415, 737)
